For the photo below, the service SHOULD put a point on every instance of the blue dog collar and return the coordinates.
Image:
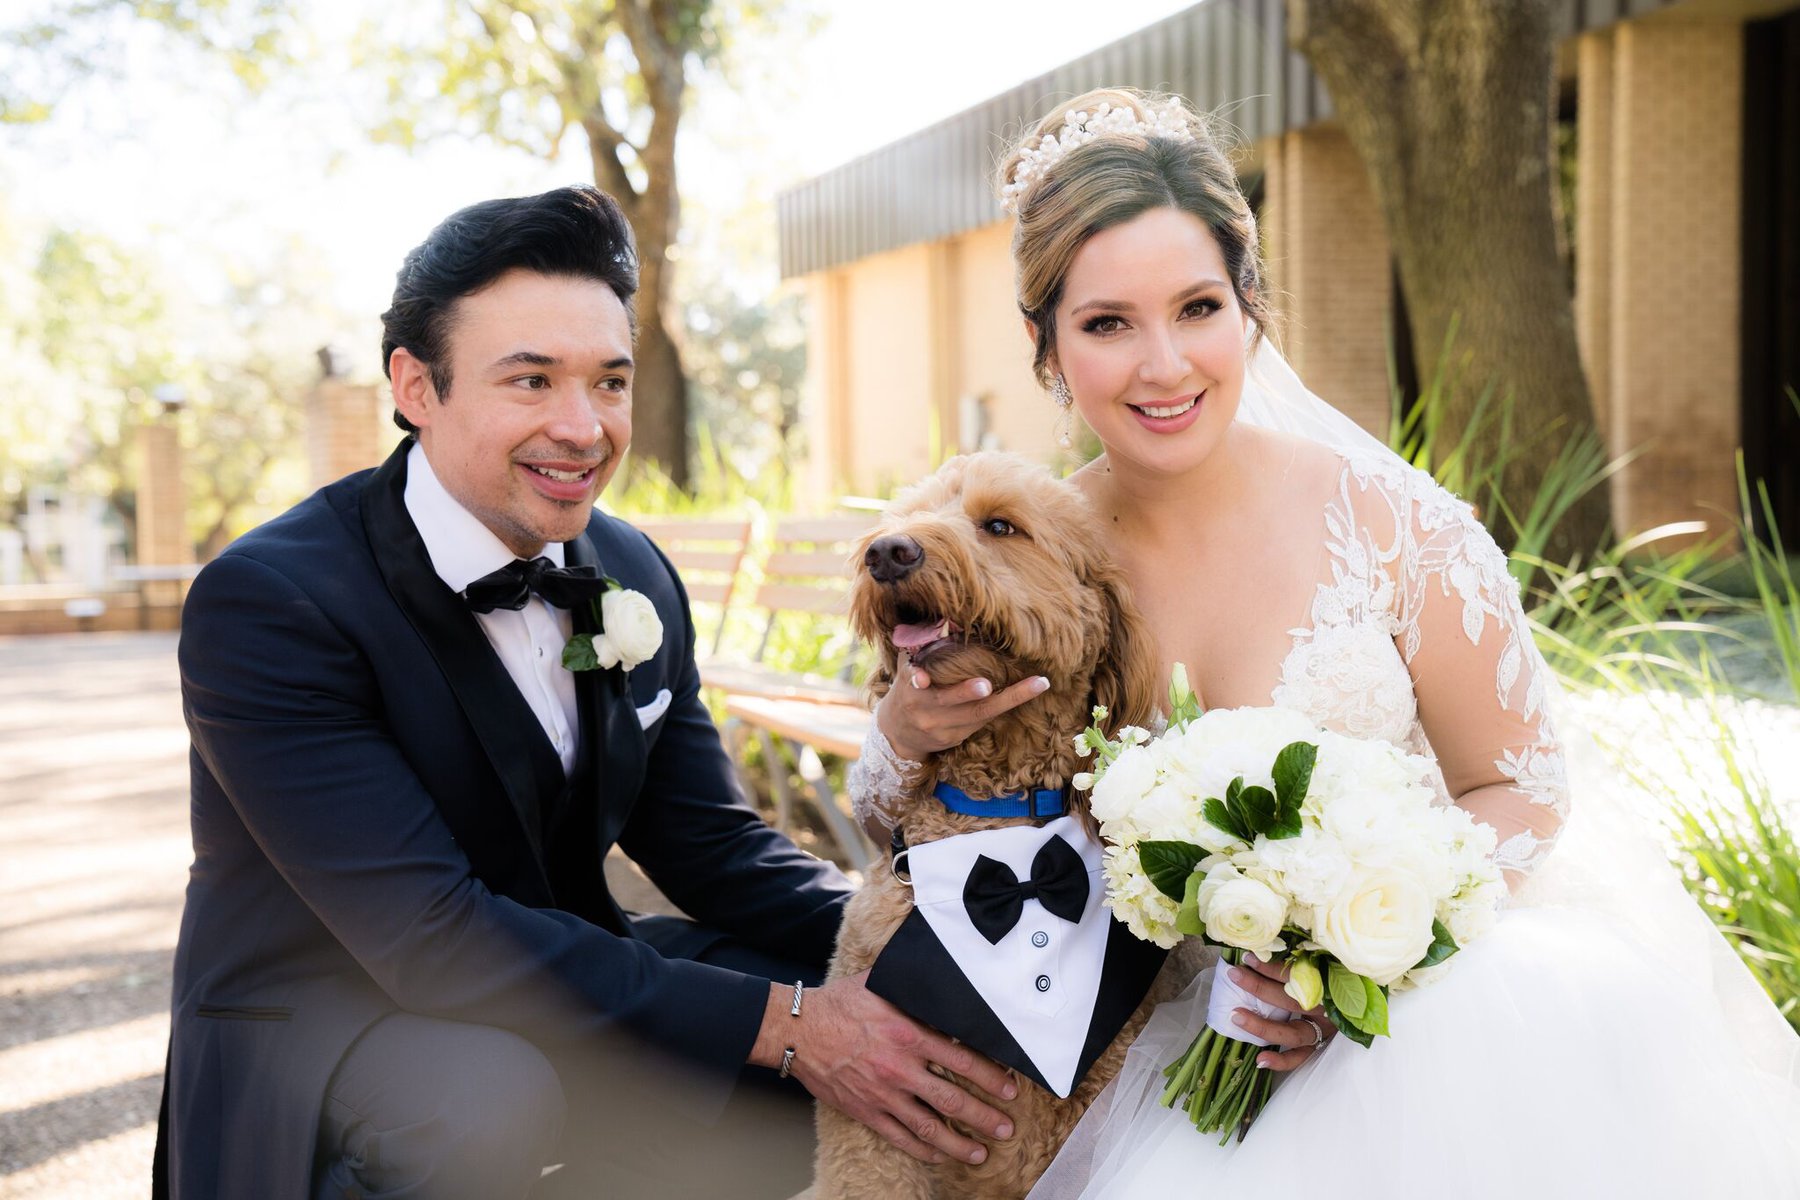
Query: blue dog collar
(1042, 804)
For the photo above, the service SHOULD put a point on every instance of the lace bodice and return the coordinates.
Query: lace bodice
(1417, 637)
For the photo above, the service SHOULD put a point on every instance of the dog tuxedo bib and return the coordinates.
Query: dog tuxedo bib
(1011, 950)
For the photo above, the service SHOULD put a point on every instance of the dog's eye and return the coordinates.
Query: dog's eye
(998, 527)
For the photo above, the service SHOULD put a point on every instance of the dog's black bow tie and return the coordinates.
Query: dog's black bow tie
(995, 897)
(512, 585)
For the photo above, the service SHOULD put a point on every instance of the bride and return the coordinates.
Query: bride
(1601, 1041)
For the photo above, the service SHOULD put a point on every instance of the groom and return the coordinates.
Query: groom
(400, 971)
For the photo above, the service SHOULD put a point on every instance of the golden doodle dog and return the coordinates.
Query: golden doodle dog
(991, 567)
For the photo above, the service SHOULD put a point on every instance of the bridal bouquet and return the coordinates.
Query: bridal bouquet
(1266, 835)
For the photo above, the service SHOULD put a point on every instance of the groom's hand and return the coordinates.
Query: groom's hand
(861, 1055)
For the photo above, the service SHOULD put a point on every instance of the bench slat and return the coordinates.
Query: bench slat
(829, 728)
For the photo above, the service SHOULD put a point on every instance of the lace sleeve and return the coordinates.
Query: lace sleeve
(877, 781)
(1481, 685)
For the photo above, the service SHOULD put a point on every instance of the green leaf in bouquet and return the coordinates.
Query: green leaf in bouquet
(1293, 775)
(1345, 989)
(1346, 1027)
(578, 653)
(1442, 946)
(1220, 816)
(1168, 865)
(1259, 808)
(1187, 918)
(1374, 1020)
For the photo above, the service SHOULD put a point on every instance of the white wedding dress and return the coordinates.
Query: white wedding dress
(1602, 1041)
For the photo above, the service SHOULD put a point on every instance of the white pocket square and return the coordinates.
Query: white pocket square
(648, 714)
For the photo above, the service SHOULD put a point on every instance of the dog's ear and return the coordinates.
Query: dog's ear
(1125, 678)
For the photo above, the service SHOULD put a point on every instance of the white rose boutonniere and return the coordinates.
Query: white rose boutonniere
(630, 632)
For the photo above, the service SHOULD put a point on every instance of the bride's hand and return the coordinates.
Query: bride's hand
(1296, 1036)
(918, 719)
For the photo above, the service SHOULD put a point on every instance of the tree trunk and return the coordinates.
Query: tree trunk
(659, 405)
(1447, 103)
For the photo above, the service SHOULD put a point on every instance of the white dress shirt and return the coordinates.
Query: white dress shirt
(529, 641)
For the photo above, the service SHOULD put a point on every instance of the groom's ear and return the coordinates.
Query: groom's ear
(414, 393)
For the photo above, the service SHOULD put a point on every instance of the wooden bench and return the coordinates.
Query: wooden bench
(709, 554)
(805, 575)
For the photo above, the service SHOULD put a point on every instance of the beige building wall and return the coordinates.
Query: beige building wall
(889, 368)
(1672, 362)
(994, 359)
(1328, 256)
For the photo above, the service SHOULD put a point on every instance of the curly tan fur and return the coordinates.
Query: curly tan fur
(1043, 599)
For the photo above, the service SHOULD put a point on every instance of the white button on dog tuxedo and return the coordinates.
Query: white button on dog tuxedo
(1010, 949)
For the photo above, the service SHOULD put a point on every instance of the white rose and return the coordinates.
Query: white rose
(633, 630)
(1116, 793)
(1379, 925)
(1241, 912)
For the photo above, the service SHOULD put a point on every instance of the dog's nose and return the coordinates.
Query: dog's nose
(892, 558)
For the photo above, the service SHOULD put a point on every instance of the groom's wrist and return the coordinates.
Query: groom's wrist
(778, 1028)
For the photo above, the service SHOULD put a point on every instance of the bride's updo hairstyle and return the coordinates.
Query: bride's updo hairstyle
(1115, 167)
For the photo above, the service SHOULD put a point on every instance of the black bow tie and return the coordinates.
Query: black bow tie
(995, 897)
(512, 585)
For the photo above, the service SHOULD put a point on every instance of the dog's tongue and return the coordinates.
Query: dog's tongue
(911, 637)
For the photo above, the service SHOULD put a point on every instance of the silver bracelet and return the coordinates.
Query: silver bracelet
(787, 1056)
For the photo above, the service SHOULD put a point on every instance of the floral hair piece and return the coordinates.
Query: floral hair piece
(1168, 119)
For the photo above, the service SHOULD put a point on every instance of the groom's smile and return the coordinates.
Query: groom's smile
(538, 413)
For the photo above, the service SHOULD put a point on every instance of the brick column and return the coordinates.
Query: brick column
(349, 426)
(1594, 221)
(162, 537)
(1676, 273)
(1328, 253)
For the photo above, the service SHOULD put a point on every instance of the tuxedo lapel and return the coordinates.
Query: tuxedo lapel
(612, 754)
(504, 724)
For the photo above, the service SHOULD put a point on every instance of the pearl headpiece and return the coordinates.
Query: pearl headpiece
(1168, 119)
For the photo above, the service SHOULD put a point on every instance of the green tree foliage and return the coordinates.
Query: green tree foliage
(529, 73)
(91, 330)
(42, 59)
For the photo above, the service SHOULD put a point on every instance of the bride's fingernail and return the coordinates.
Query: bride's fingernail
(1240, 1019)
(1239, 975)
(1039, 685)
(1262, 1064)
(983, 689)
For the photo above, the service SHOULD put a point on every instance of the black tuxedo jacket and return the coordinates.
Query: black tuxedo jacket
(380, 824)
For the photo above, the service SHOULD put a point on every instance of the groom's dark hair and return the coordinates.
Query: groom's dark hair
(572, 231)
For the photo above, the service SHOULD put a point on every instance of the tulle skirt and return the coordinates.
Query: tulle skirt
(1601, 1041)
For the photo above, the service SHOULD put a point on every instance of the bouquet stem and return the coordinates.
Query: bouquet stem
(1219, 1084)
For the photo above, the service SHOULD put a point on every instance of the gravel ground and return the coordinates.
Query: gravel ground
(94, 853)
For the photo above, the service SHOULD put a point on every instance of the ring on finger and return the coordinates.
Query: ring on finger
(1317, 1029)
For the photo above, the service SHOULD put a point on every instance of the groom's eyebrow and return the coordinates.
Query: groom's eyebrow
(527, 358)
(532, 358)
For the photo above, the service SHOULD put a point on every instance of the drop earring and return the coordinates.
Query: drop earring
(1065, 403)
